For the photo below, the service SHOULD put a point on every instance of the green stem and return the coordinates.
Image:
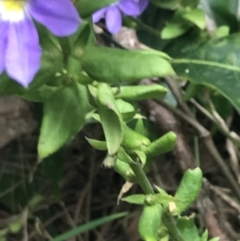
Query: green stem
(147, 188)
(146, 27)
(66, 49)
(142, 178)
(172, 229)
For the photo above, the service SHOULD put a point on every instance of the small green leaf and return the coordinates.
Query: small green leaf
(133, 140)
(16, 226)
(64, 113)
(141, 156)
(163, 199)
(139, 128)
(188, 190)
(114, 65)
(214, 239)
(204, 236)
(140, 92)
(174, 30)
(135, 199)
(85, 37)
(187, 228)
(196, 16)
(164, 144)
(99, 145)
(150, 222)
(111, 118)
(221, 32)
(124, 170)
(123, 156)
(126, 109)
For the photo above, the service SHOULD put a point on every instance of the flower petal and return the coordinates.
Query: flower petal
(23, 53)
(3, 44)
(59, 16)
(113, 19)
(143, 5)
(98, 15)
(130, 7)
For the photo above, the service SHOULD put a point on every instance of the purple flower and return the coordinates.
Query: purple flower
(20, 53)
(113, 16)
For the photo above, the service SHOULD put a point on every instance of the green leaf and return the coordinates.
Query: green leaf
(141, 156)
(135, 199)
(214, 64)
(223, 12)
(214, 239)
(114, 65)
(188, 190)
(196, 16)
(123, 156)
(150, 222)
(140, 92)
(187, 228)
(204, 236)
(139, 128)
(111, 118)
(99, 145)
(88, 7)
(16, 226)
(88, 226)
(124, 170)
(164, 144)
(174, 30)
(133, 140)
(64, 114)
(84, 38)
(164, 199)
(126, 109)
(221, 32)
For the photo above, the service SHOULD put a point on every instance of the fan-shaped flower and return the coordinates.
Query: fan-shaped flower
(113, 16)
(20, 52)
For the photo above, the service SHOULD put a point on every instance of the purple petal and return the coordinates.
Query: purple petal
(113, 19)
(130, 7)
(3, 44)
(143, 5)
(23, 52)
(98, 15)
(59, 16)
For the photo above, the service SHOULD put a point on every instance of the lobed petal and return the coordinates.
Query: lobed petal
(99, 14)
(113, 19)
(3, 44)
(59, 16)
(23, 53)
(130, 7)
(143, 5)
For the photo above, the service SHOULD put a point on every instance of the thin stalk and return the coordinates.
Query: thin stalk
(146, 27)
(142, 178)
(147, 188)
(66, 49)
(172, 229)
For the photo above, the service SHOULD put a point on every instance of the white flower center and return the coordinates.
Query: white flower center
(12, 10)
